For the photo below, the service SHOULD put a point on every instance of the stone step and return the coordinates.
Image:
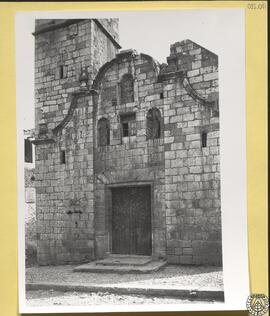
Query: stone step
(114, 255)
(151, 266)
(124, 260)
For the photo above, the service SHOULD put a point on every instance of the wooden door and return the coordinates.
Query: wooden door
(131, 220)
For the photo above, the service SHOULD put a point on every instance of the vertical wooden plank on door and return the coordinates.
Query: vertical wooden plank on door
(131, 220)
(120, 222)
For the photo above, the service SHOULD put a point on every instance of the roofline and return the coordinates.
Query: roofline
(56, 26)
(73, 21)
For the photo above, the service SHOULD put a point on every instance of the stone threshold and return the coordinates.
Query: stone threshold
(122, 264)
(124, 260)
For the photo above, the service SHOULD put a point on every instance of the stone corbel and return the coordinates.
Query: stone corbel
(102, 178)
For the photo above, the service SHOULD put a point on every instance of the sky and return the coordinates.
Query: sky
(149, 32)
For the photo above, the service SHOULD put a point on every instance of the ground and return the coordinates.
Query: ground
(194, 277)
(45, 298)
(191, 278)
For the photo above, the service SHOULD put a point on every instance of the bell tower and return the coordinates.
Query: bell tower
(68, 55)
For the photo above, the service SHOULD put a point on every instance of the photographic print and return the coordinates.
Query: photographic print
(122, 184)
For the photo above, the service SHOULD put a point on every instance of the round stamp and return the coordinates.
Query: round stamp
(257, 304)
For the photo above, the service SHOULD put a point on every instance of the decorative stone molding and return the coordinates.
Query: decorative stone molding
(130, 53)
(73, 106)
(49, 136)
(210, 101)
(83, 79)
(153, 62)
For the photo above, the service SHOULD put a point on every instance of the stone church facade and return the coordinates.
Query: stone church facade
(127, 150)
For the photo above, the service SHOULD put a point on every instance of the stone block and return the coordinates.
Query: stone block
(185, 259)
(196, 79)
(210, 76)
(187, 251)
(173, 259)
(196, 64)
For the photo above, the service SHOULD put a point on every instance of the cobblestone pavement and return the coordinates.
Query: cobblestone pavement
(47, 298)
(184, 277)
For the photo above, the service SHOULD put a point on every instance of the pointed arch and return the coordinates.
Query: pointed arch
(153, 124)
(103, 132)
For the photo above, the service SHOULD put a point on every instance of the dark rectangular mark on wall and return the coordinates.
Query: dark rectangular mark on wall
(204, 139)
(62, 156)
(28, 151)
(61, 71)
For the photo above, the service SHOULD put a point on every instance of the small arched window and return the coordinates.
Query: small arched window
(153, 122)
(127, 89)
(103, 132)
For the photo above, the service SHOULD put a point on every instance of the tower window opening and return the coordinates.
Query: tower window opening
(125, 129)
(204, 139)
(128, 124)
(61, 71)
(28, 151)
(62, 156)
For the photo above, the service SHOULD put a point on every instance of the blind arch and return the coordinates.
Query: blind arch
(127, 88)
(103, 132)
(153, 124)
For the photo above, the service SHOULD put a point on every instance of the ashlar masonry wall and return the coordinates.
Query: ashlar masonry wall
(64, 188)
(192, 170)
